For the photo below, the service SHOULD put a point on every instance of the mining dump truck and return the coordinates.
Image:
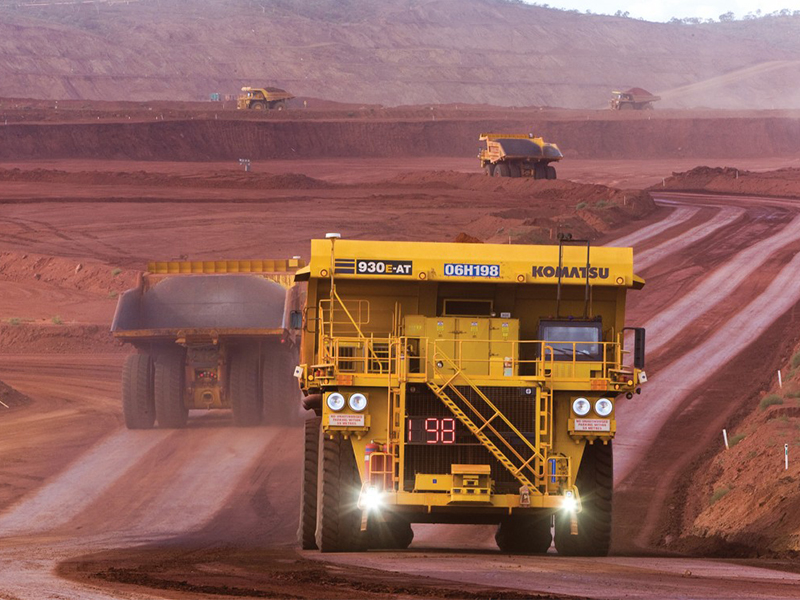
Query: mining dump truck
(515, 155)
(209, 335)
(633, 99)
(263, 98)
(459, 383)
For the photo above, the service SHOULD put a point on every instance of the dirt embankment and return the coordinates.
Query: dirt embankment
(749, 502)
(210, 139)
(11, 398)
(730, 180)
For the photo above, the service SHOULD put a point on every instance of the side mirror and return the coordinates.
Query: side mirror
(296, 319)
(638, 346)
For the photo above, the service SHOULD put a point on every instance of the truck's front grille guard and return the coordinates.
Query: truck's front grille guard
(409, 357)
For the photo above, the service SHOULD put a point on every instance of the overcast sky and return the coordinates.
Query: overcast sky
(664, 11)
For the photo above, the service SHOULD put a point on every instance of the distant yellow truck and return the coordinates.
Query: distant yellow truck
(267, 98)
(463, 383)
(518, 155)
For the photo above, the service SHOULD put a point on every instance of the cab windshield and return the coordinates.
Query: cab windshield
(570, 340)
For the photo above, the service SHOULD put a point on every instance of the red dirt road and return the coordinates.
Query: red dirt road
(187, 506)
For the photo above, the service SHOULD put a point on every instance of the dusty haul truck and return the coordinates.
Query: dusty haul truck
(515, 155)
(461, 383)
(210, 334)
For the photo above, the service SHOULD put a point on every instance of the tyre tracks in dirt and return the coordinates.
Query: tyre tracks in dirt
(215, 484)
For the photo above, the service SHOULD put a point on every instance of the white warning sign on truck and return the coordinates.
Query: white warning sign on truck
(346, 420)
(592, 425)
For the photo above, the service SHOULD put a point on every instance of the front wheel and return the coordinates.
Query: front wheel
(489, 169)
(524, 534)
(389, 532)
(306, 533)
(551, 172)
(595, 485)
(501, 170)
(338, 515)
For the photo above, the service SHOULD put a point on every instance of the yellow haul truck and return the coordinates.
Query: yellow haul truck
(463, 383)
(515, 155)
(210, 334)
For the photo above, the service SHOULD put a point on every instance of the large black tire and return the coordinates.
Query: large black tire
(539, 171)
(524, 534)
(169, 380)
(595, 485)
(489, 169)
(551, 172)
(279, 387)
(501, 170)
(245, 388)
(390, 533)
(626, 106)
(339, 484)
(138, 402)
(307, 532)
(259, 105)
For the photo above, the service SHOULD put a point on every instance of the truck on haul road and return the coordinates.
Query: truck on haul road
(460, 383)
(518, 155)
(210, 334)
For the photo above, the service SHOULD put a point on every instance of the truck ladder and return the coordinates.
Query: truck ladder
(521, 469)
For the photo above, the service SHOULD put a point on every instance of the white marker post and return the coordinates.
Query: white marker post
(780, 380)
(725, 437)
(786, 457)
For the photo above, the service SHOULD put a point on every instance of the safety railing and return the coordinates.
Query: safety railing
(414, 358)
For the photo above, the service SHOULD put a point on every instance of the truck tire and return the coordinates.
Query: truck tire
(279, 388)
(245, 388)
(501, 170)
(524, 534)
(626, 106)
(138, 402)
(391, 533)
(169, 380)
(595, 484)
(339, 484)
(306, 533)
(258, 106)
(514, 170)
(489, 169)
(551, 172)
(540, 171)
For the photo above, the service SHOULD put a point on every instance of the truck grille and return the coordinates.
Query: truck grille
(513, 402)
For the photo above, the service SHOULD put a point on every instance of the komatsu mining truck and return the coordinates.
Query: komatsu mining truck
(518, 155)
(463, 383)
(208, 335)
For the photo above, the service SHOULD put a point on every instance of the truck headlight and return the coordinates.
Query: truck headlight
(358, 402)
(335, 401)
(581, 406)
(603, 407)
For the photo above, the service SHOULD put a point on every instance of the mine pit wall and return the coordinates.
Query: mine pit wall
(204, 140)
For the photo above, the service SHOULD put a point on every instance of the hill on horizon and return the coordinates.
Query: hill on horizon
(390, 52)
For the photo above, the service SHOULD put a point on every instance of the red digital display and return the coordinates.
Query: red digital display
(431, 430)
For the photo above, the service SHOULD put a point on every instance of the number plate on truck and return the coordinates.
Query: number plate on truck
(346, 420)
(592, 425)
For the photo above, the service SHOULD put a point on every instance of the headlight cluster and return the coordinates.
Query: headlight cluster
(357, 401)
(602, 406)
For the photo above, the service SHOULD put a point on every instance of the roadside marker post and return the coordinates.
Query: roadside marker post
(786, 457)
(780, 380)
(725, 437)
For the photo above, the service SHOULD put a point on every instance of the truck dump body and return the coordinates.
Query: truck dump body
(226, 303)
(470, 383)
